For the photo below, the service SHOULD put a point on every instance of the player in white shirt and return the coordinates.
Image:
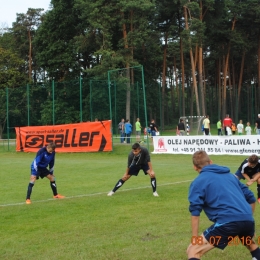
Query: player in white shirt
(248, 129)
(240, 127)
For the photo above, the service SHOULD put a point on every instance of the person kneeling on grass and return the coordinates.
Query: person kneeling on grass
(44, 157)
(138, 159)
(227, 202)
(250, 170)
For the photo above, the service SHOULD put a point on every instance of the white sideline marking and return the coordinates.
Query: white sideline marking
(93, 194)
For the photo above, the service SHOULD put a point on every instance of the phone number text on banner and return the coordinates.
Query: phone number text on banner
(233, 145)
(80, 137)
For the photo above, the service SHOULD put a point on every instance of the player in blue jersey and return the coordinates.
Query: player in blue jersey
(45, 157)
(138, 159)
(227, 202)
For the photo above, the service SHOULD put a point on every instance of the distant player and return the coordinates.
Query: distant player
(240, 127)
(227, 202)
(153, 127)
(180, 128)
(206, 123)
(138, 129)
(219, 127)
(250, 170)
(138, 159)
(248, 128)
(227, 122)
(45, 157)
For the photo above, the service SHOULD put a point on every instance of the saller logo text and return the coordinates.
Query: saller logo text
(62, 140)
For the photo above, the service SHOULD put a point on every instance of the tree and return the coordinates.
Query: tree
(24, 30)
(120, 28)
(56, 50)
(11, 76)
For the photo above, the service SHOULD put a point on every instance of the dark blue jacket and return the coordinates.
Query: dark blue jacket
(221, 195)
(43, 159)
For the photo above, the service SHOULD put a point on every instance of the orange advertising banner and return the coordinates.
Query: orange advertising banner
(80, 137)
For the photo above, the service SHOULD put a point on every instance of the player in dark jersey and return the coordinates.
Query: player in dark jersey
(250, 170)
(153, 127)
(138, 159)
(45, 157)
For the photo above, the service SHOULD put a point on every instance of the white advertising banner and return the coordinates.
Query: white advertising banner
(232, 145)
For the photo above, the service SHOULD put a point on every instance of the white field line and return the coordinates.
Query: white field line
(93, 194)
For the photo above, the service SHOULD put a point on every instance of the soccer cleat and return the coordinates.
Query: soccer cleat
(110, 193)
(58, 196)
(155, 194)
(258, 200)
(28, 201)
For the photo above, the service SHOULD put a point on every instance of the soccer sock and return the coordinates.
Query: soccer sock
(153, 183)
(258, 190)
(54, 188)
(29, 190)
(118, 185)
(256, 254)
(193, 258)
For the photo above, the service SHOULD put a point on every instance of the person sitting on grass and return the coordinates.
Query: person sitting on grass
(45, 157)
(250, 170)
(138, 159)
(227, 202)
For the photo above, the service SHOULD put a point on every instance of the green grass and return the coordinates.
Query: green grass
(131, 225)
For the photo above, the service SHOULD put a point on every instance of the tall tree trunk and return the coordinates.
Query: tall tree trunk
(225, 71)
(128, 85)
(30, 55)
(240, 79)
(219, 84)
(224, 88)
(182, 77)
(258, 74)
(230, 89)
(191, 103)
(200, 72)
(205, 91)
(200, 63)
(234, 88)
(128, 92)
(172, 86)
(226, 60)
(164, 69)
(194, 82)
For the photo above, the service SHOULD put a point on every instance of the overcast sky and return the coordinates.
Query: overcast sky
(9, 8)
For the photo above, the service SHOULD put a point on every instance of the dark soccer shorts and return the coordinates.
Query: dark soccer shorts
(230, 234)
(41, 172)
(239, 175)
(134, 169)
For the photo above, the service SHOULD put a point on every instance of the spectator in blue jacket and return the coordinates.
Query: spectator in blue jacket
(128, 130)
(227, 202)
(45, 157)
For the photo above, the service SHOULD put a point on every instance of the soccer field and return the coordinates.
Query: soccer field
(89, 225)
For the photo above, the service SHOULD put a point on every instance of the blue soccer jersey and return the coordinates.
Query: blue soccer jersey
(43, 159)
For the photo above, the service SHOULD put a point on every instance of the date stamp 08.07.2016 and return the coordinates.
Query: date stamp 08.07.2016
(231, 241)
